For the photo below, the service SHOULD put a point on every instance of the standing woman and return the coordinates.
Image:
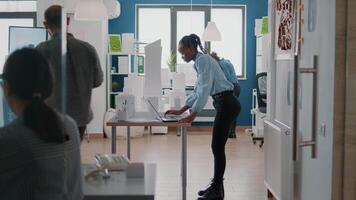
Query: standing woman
(39, 151)
(211, 81)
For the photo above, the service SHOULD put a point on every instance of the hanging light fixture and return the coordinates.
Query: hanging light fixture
(211, 32)
(90, 10)
(113, 8)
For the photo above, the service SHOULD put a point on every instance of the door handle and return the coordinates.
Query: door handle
(311, 143)
(288, 88)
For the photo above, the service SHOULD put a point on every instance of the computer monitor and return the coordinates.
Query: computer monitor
(20, 37)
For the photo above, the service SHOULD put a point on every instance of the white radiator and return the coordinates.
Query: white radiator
(278, 160)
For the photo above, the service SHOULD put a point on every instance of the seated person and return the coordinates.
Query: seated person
(230, 75)
(39, 151)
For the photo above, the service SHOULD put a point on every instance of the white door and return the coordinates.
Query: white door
(313, 141)
(309, 175)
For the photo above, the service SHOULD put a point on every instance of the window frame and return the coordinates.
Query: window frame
(197, 7)
(20, 15)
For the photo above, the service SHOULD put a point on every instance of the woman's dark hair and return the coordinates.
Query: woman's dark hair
(192, 41)
(28, 76)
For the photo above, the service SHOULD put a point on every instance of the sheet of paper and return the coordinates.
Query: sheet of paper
(128, 46)
(264, 25)
(115, 43)
(258, 27)
(259, 46)
(153, 56)
(124, 65)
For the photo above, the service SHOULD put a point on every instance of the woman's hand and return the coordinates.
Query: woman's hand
(177, 112)
(190, 118)
(173, 112)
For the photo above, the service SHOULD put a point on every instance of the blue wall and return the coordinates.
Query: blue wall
(255, 9)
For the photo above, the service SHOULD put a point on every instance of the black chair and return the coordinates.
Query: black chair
(262, 91)
(261, 99)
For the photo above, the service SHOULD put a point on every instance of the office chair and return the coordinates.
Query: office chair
(261, 102)
(262, 92)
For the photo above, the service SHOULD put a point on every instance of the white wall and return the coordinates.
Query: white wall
(96, 34)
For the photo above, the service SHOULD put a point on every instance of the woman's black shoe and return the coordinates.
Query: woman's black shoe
(202, 192)
(215, 191)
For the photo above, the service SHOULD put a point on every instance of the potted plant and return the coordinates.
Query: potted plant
(172, 65)
(115, 86)
(172, 62)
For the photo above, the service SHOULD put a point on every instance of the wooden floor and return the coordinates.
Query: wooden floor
(243, 177)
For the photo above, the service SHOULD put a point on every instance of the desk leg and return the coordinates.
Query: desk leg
(113, 139)
(179, 131)
(183, 131)
(128, 140)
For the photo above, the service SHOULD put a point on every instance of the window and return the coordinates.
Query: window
(18, 6)
(155, 24)
(189, 22)
(180, 20)
(231, 26)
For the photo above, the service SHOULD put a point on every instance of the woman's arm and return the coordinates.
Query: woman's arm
(202, 89)
(204, 84)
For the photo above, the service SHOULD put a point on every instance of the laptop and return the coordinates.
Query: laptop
(163, 118)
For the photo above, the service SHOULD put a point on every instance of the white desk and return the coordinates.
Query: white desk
(182, 128)
(118, 187)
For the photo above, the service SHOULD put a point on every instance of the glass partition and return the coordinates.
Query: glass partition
(18, 30)
(5, 24)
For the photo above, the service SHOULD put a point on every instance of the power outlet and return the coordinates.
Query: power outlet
(323, 130)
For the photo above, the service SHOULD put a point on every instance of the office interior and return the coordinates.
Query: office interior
(295, 64)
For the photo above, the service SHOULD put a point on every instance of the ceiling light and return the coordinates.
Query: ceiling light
(113, 7)
(211, 32)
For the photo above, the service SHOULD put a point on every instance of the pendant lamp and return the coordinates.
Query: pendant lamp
(90, 10)
(211, 32)
(113, 7)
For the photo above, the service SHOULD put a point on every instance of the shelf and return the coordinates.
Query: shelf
(118, 74)
(119, 54)
(115, 92)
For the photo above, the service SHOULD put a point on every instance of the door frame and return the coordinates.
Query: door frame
(344, 154)
(350, 109)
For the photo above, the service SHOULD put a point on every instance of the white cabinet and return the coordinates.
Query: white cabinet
(262, 49)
